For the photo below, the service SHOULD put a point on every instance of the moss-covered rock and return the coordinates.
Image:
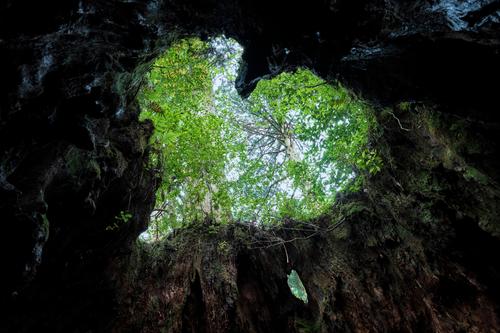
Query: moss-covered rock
(413, 251)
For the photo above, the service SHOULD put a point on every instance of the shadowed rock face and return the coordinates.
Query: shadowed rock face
(416, 252)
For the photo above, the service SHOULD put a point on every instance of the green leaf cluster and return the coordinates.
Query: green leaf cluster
(189, 146)
(284, 152)
(329, 129)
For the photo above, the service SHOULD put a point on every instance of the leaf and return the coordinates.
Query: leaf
(296, 287)
(285, 151)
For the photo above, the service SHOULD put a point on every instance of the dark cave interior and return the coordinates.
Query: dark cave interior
(416, 248)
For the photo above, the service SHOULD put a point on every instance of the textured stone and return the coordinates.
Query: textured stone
(416, 252)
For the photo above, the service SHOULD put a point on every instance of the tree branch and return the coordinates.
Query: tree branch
(399, 122)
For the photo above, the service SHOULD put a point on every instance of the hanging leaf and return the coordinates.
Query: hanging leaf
(296, 286)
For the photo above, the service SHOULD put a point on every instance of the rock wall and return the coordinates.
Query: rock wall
(416, 250)
(413, 252)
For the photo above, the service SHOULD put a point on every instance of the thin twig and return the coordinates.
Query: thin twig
(277, 241)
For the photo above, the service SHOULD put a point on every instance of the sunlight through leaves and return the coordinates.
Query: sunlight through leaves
(282, 153)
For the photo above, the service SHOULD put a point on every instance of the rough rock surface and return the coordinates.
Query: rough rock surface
(412, 253)
(416, 251)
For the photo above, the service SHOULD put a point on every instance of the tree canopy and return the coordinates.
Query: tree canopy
(282, 153)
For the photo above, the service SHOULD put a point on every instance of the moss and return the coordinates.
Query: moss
(455, 139)
(93, 166)
(434, 119)
(420, 181)
(45, 224)
(73, 161)
(353, 208)
(79, 163)
(341, 233)
(372, 241)
(215, 228)
(385, 113)
(473, 174)
(449, 157)
(308, 326)
(239, 232)
(223, 248)
(426, 216)
(125, 84)
(404, 106)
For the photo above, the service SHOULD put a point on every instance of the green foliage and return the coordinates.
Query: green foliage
(404, 106)
(310, 135)
(123, 217)
(296, 287)
(370, 161)
(214, 229)
(223, 247)
(189, 146)
(120, 219)
(473, 174)
(284, 152)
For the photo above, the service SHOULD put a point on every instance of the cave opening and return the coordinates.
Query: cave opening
(282, 153)
(411, 251)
